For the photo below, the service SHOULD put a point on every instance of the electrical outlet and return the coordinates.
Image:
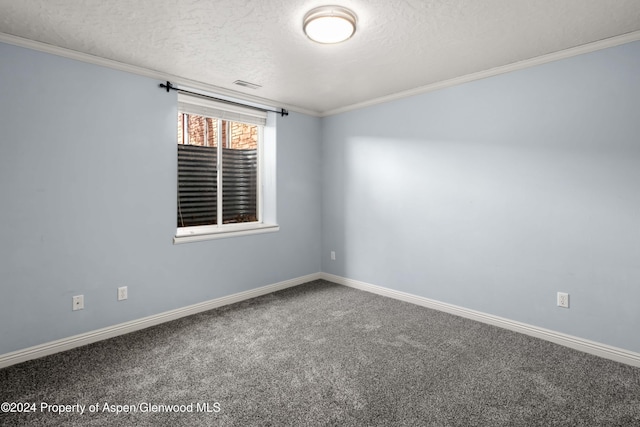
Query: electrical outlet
(333, 255)
(563, 299)
(78, 302)
(122, 293)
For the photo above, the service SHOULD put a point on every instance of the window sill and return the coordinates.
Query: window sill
(188, 236)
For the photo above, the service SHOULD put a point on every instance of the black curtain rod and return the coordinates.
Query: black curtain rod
(169, 87)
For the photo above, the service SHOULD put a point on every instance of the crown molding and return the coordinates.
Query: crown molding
(146, 72)
(527, 63)
(520, 65)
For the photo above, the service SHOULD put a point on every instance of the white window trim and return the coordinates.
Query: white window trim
(210, 232)
(266, 176)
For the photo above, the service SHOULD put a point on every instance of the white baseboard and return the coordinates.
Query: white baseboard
(591, 347)
(64, 344)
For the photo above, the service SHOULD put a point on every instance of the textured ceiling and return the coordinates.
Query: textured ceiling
(399, 45)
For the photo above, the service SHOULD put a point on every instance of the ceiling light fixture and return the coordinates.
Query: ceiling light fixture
(329, 24)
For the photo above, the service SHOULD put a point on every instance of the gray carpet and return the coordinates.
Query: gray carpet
(324, 354)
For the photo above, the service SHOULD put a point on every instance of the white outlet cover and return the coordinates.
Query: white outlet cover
(122, 293)
(563, 299)
(78, 302)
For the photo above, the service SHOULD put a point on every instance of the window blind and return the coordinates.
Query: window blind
(234, 113)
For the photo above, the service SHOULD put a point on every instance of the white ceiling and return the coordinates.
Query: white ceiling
(400, 45)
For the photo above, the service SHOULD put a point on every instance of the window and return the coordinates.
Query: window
(220, 151)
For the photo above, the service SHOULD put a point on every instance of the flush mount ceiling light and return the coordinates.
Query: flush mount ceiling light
(329, 24)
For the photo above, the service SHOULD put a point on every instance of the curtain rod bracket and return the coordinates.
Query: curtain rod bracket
(168, 86)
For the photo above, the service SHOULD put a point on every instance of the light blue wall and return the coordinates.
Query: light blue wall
(492, 195)
(88, 186)
(496, 194)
